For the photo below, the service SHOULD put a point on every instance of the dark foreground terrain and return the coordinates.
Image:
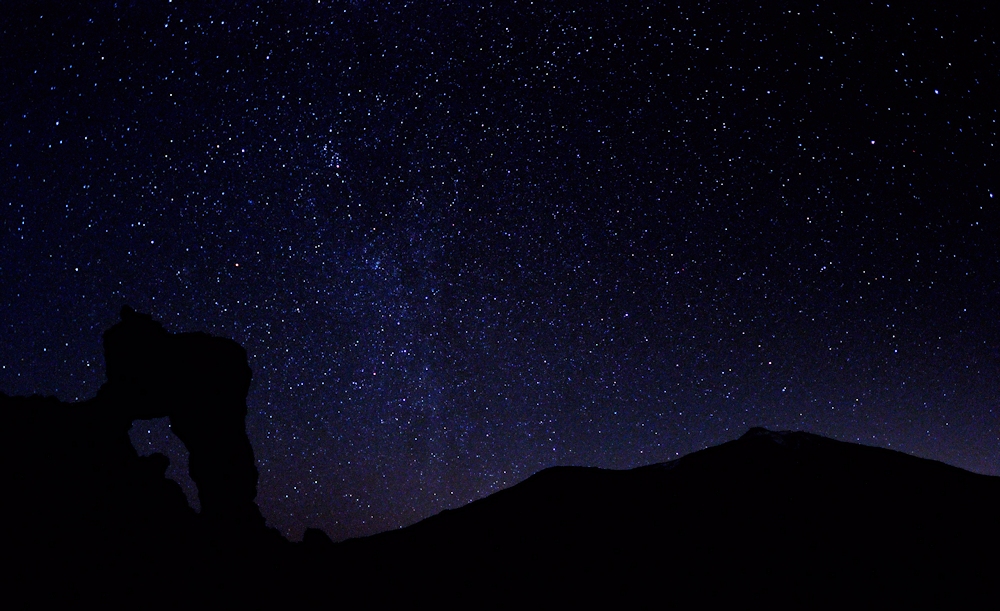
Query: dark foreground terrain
(785, 518)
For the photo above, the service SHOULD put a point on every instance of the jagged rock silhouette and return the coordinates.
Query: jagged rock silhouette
(200, 382)
(88, 511)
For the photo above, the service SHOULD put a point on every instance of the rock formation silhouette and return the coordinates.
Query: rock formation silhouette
(86, 510)
(200, 382)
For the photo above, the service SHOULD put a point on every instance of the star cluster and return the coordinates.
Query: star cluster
(462, 242)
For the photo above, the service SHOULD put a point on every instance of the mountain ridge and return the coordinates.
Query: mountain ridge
(816, 511)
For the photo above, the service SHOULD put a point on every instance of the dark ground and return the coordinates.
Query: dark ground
(789, 518)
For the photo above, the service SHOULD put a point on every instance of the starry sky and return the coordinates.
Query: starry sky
(462, 242)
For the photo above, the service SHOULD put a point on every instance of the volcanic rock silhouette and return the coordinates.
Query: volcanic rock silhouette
(85, 507)
(201, 383)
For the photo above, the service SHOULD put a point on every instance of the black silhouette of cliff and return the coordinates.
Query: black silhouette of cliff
(787, 518)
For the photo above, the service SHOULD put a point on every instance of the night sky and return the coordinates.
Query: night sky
(463, 242)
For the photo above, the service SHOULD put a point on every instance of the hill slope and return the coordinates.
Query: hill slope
(784, 513)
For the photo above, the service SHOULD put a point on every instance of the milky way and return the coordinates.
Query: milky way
(464, 243)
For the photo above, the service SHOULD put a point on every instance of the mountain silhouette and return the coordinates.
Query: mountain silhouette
(772, 514)
(789, 518)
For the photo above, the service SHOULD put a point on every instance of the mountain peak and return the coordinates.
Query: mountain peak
(794, 439)
(756, 431)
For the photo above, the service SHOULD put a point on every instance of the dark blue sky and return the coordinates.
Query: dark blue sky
(463, 242)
